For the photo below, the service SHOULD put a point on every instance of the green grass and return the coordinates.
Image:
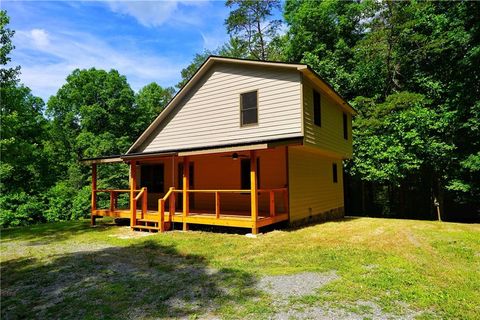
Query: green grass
(70, 270)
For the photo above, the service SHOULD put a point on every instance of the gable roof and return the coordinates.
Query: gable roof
(303, 68)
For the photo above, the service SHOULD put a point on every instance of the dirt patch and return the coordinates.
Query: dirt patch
(361, 310)
(299, 284)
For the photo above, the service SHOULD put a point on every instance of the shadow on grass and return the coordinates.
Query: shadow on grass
(145, 280)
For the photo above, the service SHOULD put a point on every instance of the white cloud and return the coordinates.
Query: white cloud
(55, 55)
(156, 13)
(39, 37)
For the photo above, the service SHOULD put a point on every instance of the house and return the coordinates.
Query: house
(244, 143)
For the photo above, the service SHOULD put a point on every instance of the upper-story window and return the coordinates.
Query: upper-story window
(317, 109)
(249, 108)
(345, 126)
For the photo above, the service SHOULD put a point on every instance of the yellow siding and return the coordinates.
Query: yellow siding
(312, 190)
(329, 136)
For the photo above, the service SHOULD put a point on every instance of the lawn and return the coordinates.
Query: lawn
(365, 268)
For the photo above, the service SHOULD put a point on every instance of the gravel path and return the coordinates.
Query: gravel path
(299, 284)
(283, 287)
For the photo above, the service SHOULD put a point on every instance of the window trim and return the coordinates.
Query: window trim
(315, 92)
(242, 125)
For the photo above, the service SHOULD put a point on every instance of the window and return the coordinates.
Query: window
(152, 177)
(248, 108)
(245, 174)
(317, 109)
(334, 171)
(345, 126)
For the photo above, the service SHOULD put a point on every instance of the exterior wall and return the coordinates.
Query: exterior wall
(312, 190)
(209, 115)
(330, 135)
(219, 171)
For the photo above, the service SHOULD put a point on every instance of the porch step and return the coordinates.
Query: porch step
(149, 228)
(146, 225)
(147, 221)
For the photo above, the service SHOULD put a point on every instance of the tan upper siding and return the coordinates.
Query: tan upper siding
(329, 136)
(311, 186)
(209, 115)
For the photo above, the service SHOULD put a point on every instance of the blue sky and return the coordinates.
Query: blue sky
(145, 40)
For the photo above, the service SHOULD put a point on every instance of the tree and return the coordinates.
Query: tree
(23, 168)
(234, 48)
(93, 114)
(411, 69)
(7, 75)
(323, 34)
(190, 70)
(250, 24)
(150, 101)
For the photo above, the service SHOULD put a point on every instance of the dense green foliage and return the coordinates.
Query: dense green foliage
(411, 69)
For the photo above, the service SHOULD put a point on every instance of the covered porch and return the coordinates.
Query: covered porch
(236, 187)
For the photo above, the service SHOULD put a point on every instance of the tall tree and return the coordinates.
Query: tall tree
(7, 75)
(150, 101)
(190, 70)
(323, 34)
(251, 22)
(93, 114)
(405, 65)
(23, 168)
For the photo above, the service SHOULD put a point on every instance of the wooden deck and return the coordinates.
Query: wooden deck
(227, 219)
(161, 220)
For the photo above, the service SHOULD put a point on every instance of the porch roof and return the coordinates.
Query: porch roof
(259, 145)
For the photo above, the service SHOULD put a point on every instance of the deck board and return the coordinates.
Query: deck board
(231, 219)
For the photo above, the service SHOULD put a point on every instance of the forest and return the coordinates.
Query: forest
(411, 70)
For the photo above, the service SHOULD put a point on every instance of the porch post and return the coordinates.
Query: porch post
(253, 190)
(94, 193)
(186, 185)
(133, 186)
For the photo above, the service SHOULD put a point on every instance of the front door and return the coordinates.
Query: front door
(152, 176)
(179, 199)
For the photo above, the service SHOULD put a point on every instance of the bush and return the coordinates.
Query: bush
(60, 202)
(19, 209)
(81, 205)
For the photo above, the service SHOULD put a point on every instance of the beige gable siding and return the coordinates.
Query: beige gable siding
(210, 114)
(330, 135)
(311, 186)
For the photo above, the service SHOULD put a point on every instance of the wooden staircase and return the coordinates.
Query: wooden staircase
(150, 225)
(159, 224)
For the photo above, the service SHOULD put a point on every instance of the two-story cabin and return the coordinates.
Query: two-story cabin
(244, 143)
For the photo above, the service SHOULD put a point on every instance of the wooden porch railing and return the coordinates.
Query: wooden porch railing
(142, 193)
(171, 208)
(272, 205)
